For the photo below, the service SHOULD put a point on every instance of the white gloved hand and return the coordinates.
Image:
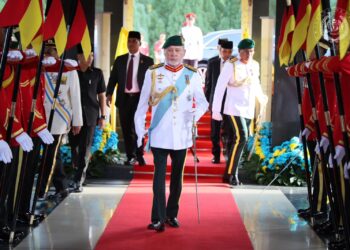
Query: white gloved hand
(307, 64)
(216, 116)
(339, 154)
(317, 148)
(330, 161)
(5, 152)
(306, 132)
(14, 55)
(346, 170)
(139, 138)
(46, 136)
(49, 61)
(30, 53)
(70, 63)
(25, 142)
(324, 143)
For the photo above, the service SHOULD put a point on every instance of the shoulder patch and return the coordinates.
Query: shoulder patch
(155, 66)
(190, 67)
(233, 60)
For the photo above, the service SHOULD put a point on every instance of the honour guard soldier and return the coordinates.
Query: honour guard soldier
(170, 89)
(241, 79)
(193, 37)
(68, 112)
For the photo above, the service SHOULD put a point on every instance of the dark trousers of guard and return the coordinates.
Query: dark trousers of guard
(9, 186)
(126, 116)
(81, 146)
(50, 165)
(160, 209)
(218, 131)
(238, 131)
(31, 170)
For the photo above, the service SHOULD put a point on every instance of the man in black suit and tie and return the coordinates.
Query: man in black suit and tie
(129, 72)
(214, 67)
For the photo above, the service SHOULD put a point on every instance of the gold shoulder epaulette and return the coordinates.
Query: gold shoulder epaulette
(232, 60)
(190, 67)
(155, 66)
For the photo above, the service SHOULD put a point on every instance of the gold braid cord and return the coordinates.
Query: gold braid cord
(156, 97)
(236, 83)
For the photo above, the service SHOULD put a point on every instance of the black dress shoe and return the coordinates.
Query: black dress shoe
(173, 222)
(141, 161)
(216, 160)
(158, 226)
(233, 182)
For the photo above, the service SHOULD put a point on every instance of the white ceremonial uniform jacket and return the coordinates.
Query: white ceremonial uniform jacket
(243, 86)
(68, 104)
(193, 43)
(174, 131)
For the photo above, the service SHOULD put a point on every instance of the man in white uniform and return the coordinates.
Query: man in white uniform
(193, 41)
(172, 89)
(241, 79)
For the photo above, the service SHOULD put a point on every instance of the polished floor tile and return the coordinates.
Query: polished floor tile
(272, 221)
(78, 222)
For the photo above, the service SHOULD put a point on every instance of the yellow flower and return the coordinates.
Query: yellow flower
(293, 146)
(264, 169)
(271, 160)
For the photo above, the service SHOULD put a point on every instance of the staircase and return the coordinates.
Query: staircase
(205, 168)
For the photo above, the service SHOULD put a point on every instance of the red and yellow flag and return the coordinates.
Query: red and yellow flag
(30, 26)
(315, 31)
(55, 26)
(341, 26)
(79, 32)
(13, 12)
(302, 24)
(284, 50)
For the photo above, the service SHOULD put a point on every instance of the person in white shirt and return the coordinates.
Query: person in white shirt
(240, 77)
(170, 89)
(193, 37)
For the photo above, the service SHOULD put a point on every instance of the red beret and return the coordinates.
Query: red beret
(191, 14)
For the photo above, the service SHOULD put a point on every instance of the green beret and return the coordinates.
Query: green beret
(173, 41)
(246, 44)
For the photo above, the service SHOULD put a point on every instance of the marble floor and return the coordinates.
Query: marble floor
(77, 223)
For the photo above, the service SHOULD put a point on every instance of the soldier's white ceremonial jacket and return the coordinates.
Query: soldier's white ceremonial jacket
(172, 108)
(68, 104)
(243, 86)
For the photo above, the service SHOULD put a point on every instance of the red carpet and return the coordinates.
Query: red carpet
(220, 225)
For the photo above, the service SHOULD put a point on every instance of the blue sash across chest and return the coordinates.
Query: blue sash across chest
(166, 102)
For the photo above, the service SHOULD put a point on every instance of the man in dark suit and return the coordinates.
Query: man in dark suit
(129, 72)
(214, 67)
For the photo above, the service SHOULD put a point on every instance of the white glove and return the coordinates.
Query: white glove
(307, 64)
(46, 136)
(330, 161)
(30, 53)
(25, 142)
(49, 61)
(70, 63)
(5, 152)
(324, 143)
(339, 154)
(14, 55)
(306, 132)
(189, 115)
(317, 148)
(346, 170)
(139, 138)
(216, 116)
